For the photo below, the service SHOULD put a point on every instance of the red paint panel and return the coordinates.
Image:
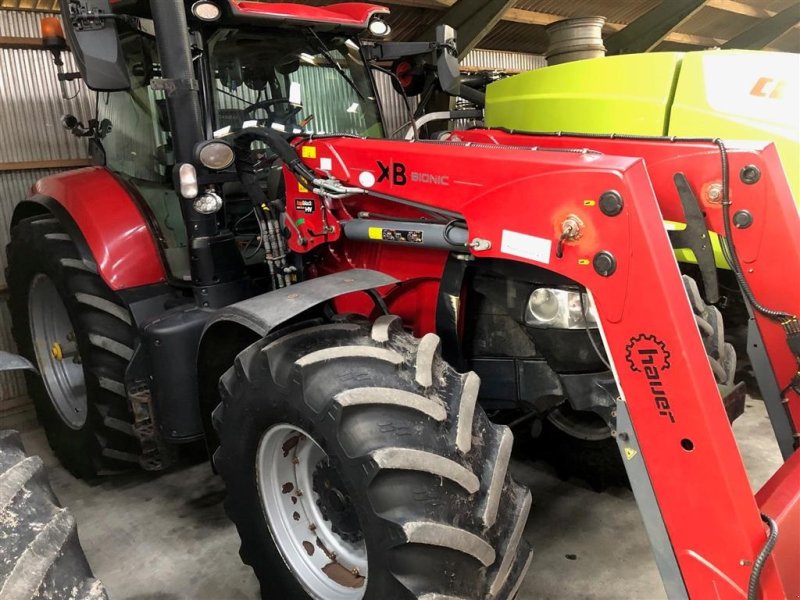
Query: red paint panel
(686, 440)
(764, 248)
(352, 14)
(116, 232)
(780, 499)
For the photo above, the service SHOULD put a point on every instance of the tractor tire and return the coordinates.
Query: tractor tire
(40, 554)
(579, 444)
(409, 471)
(80, 397)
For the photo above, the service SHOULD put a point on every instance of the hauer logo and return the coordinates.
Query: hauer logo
(649, 355)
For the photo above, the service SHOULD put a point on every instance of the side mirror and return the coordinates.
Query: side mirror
(92, 36)
(447, 60)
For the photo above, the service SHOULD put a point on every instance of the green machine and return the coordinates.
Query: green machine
(728, 94)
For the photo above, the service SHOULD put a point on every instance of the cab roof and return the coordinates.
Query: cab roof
(342, 16)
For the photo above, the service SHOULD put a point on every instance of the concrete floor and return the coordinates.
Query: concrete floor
(166, 537)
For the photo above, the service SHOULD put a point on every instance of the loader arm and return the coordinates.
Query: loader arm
(515, 200)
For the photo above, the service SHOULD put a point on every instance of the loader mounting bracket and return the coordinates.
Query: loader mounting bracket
(696, 238)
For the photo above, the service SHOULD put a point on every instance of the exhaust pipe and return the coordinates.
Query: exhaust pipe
(179, 83)
(575, 39)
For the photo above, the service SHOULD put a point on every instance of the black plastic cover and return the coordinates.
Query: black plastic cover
(95, 45)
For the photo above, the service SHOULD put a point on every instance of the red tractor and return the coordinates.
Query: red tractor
(250, 262)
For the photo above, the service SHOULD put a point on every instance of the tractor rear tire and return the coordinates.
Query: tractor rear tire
(40, 554)
(417, 472)
(596, 459)
(42, 256)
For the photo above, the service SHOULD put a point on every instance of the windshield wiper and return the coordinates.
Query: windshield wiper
(326, 53)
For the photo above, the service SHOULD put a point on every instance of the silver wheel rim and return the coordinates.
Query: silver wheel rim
(583, 425)
(327, 566)
(56, 351)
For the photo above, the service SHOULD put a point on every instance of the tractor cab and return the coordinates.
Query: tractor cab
(289, 68)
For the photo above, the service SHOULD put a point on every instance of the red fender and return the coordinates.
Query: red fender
(112, 225)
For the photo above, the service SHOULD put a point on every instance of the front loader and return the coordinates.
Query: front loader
(251, 263)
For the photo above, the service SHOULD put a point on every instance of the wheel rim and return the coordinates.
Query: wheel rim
(56, 351)
(327, 566)
(580, 424)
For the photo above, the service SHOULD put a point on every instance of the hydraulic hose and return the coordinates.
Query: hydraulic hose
(761, 559)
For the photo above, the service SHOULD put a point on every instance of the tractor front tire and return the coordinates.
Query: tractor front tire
(40, 554)
(395, 481)
(80, 397)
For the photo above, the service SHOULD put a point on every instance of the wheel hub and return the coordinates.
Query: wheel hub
(335, 504)
(56, 351)
(310, 515)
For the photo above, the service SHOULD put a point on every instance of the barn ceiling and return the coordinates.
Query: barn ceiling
(519, 26)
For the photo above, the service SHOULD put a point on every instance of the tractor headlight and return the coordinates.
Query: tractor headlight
(215, 155)
(551, 308)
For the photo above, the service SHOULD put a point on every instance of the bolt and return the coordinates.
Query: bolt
(311, 527)
(613, 433)
(480, 245)
(571, 228)
(745, 562)
(623, 436)
(714, 192)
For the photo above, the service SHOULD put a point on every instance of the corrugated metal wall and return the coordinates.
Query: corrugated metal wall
(30, 119)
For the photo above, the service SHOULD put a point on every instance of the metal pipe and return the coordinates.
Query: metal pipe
(183, 100)
(407, 233)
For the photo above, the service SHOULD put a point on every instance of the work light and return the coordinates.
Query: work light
(206, 11)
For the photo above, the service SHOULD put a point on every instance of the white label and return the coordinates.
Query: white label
(250, 123)
(325, 164)
(366, 179)
(295, 94)
(526, 246)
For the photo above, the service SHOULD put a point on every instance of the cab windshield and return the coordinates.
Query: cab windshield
(295, 81)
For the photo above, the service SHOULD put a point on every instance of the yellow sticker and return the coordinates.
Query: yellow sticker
(583, 261)
(309, 152)
(589, 203)
(375, 233)
(630, 453)
(301, 187)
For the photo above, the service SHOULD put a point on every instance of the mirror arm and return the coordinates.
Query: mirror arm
(394, 50)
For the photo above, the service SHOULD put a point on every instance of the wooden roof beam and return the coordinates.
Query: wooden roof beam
(766, 31)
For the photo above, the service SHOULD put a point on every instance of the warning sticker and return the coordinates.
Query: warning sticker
(526, 246)
(307, 206)
(395, 235)
(309, 152)
(630, 453)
